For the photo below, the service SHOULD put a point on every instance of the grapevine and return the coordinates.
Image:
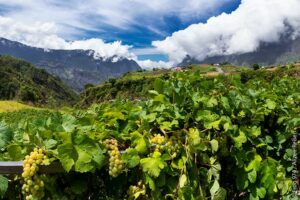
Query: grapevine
(182, 143)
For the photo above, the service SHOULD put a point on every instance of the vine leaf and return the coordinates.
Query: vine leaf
(5, 134)
(139, 142)
(83, 163)
(182, 180)
(254, 164)
(239, 140)
(252, 176)
(270, 104)
(131, 157)
(220, 194)
(15, 152)
(214, 145)
(153, 165)
(67, 154)
(261, 192)
(3, 185)
(214, 188)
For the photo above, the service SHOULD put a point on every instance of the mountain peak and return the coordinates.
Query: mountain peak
(75, 67)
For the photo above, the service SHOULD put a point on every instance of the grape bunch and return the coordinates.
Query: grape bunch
(136, 191)
(33, 185)
(116, 165)
(158, 141)
(173, 147)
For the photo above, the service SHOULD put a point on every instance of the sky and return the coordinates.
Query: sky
(156, 33)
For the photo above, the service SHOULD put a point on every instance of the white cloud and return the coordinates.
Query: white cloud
(145, 51)
(241, 31)
(96, 15)
(149, 64)
(44, 35)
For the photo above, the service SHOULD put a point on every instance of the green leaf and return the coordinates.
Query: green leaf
(270, 104)
(83, 162)
(254, 164)
(220, 194)
(206, 116)
(214, 188)
(158, 85)
(239, 140)
(69, 123)
(255, 131)
(212, 102)
(261, 192)
(49, 144)
(131, 157)
(168, 125)
(15, 152)
(114, 115)
(225, 103)
(182, 180)
(67, 155)
(161, 98)
(210, 125)
(139, 142)
(150, 182)
(214, 145)
(5, 134)
(194, 136)
(153, 165)
(242, 180)
(3, 185)
(252, 176)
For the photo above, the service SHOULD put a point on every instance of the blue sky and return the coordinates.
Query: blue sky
(156, 33)
(140, 36)
(134, 22)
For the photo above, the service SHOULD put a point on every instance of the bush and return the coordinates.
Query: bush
(256, 66)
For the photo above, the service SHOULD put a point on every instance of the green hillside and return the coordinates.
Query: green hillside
(21, 81)
(135, 85)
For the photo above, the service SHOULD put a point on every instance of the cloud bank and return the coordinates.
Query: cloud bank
(253, 22)
(149, 64)
(44, 35)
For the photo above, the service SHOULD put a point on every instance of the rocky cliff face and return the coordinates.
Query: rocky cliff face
(75, 67)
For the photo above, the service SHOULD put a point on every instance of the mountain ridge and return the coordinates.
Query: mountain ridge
(75, 67)
(282, 52)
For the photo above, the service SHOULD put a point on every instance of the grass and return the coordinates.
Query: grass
(11, 106)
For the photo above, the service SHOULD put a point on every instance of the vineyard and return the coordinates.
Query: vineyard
(225, 137)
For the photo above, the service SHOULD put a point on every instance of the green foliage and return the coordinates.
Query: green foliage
(232, 139)
(3, 185)
(256, 66)
(19, 80)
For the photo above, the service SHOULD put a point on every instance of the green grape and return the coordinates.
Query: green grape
(135, 191)
(173, 147)
(33, 186)
(158, 141)
(116, 165)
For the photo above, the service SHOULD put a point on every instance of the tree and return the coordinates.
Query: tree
(256, 66)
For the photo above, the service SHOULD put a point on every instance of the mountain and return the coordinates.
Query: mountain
(21, 81)
(75, 67)
(282, 52)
